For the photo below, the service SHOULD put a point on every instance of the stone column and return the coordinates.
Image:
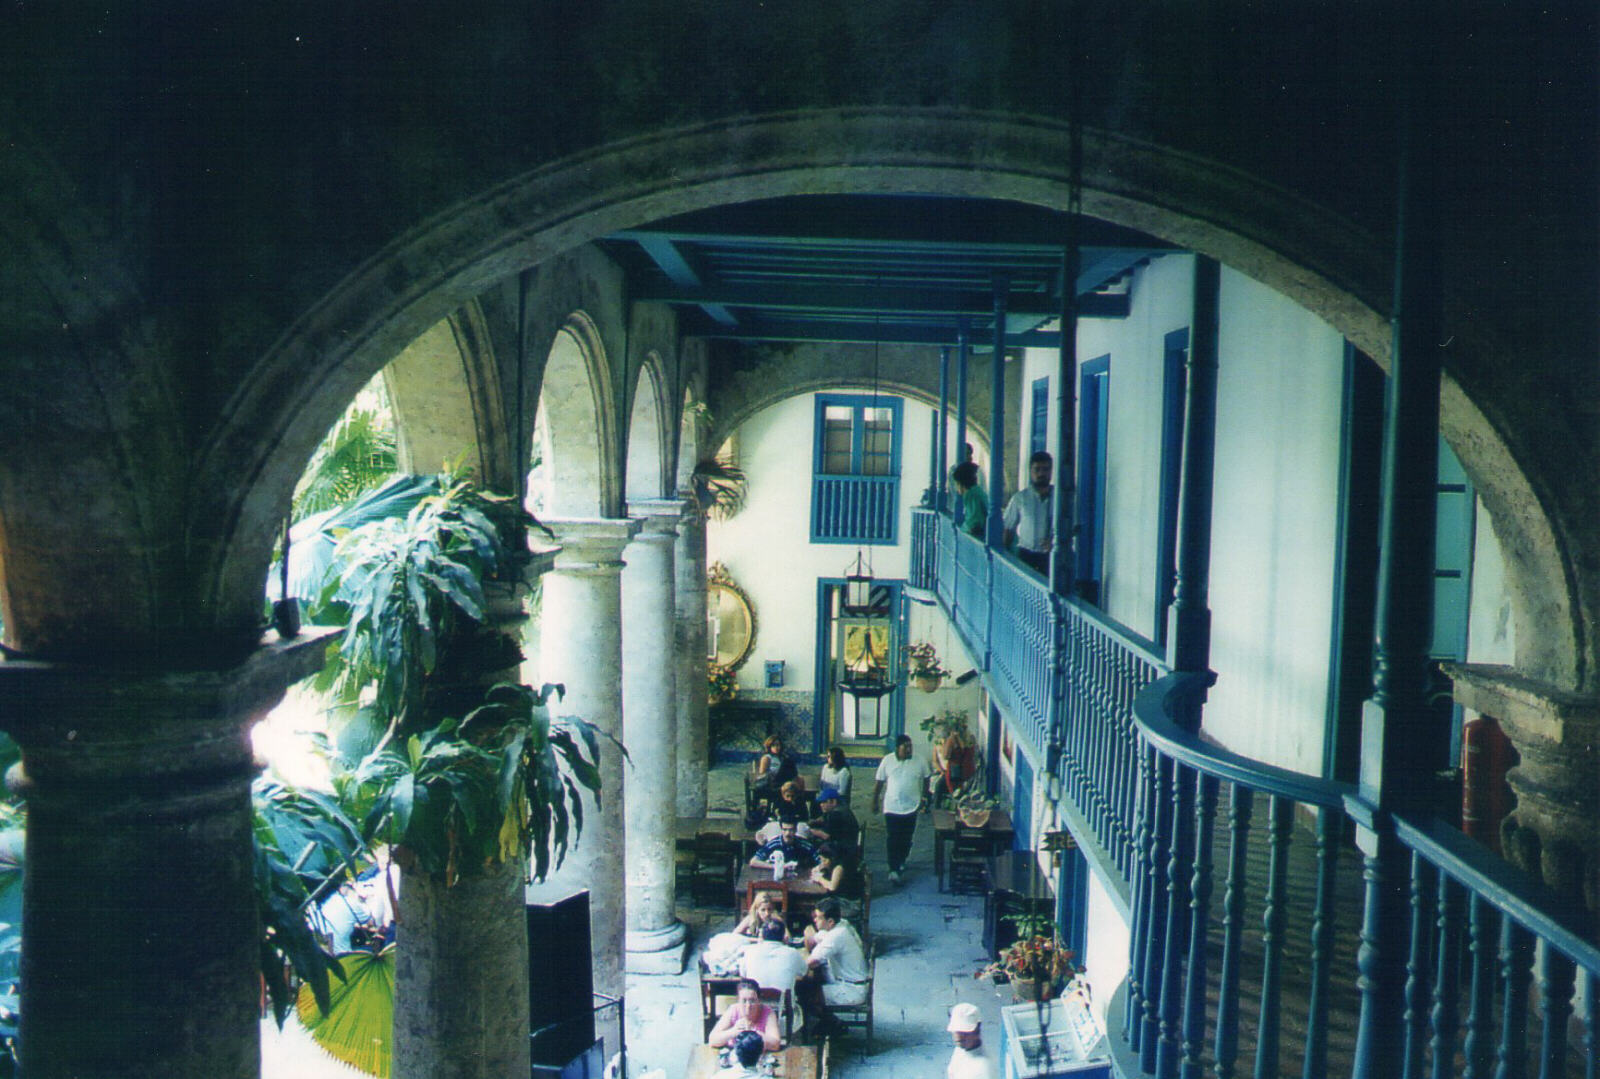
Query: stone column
(139, 912)
(580, 647)
(656, 939)
(1554, 832)
(694, 751)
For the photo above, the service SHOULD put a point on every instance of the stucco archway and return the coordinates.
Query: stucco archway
(1296, 247)
(648, 440)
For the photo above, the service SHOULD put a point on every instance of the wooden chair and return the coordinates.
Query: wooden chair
(717, 994)
(777, 891)
(714, 869)
(783, 1000)
(969, 858)
(860, 1015)
(865, 928)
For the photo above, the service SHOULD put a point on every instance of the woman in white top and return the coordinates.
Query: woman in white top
(836, 774)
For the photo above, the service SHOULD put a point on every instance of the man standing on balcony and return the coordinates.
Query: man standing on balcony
(898, 793)
(1028, 516)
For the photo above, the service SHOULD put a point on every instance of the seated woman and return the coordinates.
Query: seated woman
(747, 1013)
(760, 913)
(841, 876)
(836, 773)
(794, 801)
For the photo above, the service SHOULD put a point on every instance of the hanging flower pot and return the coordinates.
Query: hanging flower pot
(928, 683)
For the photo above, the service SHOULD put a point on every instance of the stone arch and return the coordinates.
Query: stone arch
(1298, 247)
(648, 434)
(445, 388)
(576, 398)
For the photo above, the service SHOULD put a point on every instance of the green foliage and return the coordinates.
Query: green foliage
(718, 488)
(358, 1028)
(464, 796)
(304, 846)
(358, 454)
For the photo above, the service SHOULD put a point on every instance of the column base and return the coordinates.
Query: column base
(658, 951)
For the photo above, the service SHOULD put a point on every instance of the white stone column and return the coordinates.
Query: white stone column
(580, 647)
(693, 722)
(656, 939)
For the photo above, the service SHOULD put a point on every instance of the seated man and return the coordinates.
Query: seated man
(838, 968)
(770, 830)
(795, 849)
(837, 824)
(747, 1049)
(747, 1014)
(771, 963)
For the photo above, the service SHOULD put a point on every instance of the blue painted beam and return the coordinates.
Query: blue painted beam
(665, 254)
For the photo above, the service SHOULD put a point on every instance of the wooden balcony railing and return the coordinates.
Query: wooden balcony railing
(1500, 976)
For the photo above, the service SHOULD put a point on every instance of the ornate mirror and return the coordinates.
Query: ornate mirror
(730, 620)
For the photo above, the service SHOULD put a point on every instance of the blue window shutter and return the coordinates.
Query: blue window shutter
(858, 502)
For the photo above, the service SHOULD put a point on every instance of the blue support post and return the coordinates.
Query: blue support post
(1063, 561)
(942, 468)
(1402, 743)
(963, 361)
(997, 414)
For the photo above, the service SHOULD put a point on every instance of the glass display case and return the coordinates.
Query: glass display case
(1059, 1037)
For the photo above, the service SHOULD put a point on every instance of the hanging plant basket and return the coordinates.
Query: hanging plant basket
(928, 683)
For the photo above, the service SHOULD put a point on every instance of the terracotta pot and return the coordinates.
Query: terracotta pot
(974, 818)
(928, 683)
(1032, 988)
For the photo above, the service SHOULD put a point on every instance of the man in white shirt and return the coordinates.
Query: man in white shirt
(897, 793)
(771, 963)
(967, 1059)
(1030, 518)
(838, 968)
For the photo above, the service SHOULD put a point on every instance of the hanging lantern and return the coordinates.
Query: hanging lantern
(858, 587)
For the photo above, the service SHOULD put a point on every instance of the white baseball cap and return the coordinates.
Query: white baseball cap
(964, 1019)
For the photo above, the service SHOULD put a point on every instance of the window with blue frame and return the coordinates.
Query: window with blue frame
(855, 481)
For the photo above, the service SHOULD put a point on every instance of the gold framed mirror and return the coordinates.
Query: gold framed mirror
(730, 620)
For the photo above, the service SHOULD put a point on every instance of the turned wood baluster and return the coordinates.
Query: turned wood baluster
(1273, 919)
(1447, 980)
(1194, 1007)
(1141, 892)
(1516, 956)
(1417, 966)
(1179, 870)
(1227, 1051)
(1154, 927)
(1329, 825)
(1556, 978)
(1478, 1048)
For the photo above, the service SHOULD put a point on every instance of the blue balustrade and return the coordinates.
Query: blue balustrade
(855, 509)
(924, 550)
(1491, 959)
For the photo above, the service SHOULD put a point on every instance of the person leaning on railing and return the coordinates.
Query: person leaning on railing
(974, 505)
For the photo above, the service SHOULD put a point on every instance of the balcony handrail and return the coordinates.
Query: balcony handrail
(1515, 893)
(1141, 647)
(1151, 713)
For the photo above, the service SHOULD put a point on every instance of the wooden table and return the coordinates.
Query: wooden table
(795, 1062)
(999, 830)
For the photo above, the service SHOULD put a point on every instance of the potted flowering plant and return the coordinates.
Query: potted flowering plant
(973, 804)
(922, 661)
(722, 682)
(1033, 965)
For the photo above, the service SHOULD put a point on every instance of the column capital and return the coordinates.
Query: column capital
(1526, 707)
(591, 543)
(658, 516)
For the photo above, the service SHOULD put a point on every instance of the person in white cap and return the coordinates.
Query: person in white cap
(966, 1059)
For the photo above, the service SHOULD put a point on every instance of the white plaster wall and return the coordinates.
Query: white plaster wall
(1274, 519)
(1106, 947)
(1490, 628)
(767, 546)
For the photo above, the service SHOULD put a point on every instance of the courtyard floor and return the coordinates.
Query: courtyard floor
(928, 945)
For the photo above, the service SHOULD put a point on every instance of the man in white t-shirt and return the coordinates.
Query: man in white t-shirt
(967, 1059)
(771, 963)
(1030, 515)
(897, 793)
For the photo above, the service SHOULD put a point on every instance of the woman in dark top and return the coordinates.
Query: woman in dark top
(841, 876)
